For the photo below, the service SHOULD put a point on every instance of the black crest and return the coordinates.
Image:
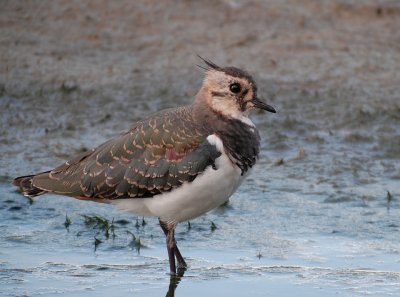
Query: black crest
(232, 71)
(210, 64)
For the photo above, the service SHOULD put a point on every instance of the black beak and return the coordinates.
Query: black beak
(262, 105)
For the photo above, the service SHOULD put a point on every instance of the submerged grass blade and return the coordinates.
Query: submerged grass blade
(67, 222)
(213, 226)
(135, 243)
(97, 242)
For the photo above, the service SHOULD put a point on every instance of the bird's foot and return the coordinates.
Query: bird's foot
(180, 271)
(181, 264)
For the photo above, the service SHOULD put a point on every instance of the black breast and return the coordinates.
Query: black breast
(241, 141)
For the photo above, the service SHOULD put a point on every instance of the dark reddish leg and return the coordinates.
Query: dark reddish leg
(173, 251)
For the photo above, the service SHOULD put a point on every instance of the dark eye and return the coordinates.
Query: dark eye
(235, 88)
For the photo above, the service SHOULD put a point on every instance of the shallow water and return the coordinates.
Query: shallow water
(320, 213)
(284, 241)
(319, 216)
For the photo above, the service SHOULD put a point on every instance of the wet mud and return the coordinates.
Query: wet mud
(320, 214)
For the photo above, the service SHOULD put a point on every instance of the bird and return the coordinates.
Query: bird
(176, 164)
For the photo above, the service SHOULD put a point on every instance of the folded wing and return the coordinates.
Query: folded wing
(156, 156)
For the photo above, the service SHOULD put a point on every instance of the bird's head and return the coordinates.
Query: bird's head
(230, 91)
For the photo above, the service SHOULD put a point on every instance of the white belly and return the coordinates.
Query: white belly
(209, 190)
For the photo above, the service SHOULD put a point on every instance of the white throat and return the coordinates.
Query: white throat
(231, 111)
(243, 117)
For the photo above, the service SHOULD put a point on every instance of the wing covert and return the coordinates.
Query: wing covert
(156, 156)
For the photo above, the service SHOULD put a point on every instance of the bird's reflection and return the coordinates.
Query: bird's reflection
(173, 283)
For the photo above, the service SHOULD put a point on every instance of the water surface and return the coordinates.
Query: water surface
(320, 214)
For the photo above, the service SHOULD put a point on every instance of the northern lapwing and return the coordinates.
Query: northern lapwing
(176, 164)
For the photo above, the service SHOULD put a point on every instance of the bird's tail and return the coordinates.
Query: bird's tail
(26, 186)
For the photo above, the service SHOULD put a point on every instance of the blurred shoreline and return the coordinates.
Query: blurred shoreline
(322, 202)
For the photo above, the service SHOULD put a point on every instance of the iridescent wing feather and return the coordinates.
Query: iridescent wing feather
(156, 156)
